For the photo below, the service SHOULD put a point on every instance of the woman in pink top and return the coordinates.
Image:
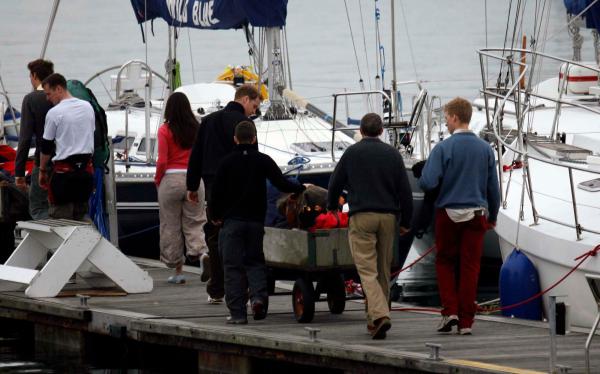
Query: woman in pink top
(181, 221)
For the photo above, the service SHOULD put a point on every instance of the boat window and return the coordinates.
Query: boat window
(591, 185)
(119, 143)
(142, 146)
(311, 147)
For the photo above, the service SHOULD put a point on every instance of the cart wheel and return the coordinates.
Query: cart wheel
(336, 295)
(303, 300)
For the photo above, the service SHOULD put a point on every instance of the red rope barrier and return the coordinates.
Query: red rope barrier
(414, 262)
(583, 257)
(591, 253)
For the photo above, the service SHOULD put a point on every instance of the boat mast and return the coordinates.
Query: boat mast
(49, 28)
(394, 93)
(276, 74)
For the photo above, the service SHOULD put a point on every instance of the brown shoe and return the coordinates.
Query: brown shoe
(380, 328)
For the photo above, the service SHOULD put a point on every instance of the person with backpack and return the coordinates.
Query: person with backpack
(181, 221)
(213, 143)
(33, 116)
(239, 203)
(69, 133)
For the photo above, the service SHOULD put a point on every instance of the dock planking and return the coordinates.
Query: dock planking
(179, 315)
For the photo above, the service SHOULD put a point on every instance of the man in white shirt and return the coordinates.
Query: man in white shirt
(69, 132)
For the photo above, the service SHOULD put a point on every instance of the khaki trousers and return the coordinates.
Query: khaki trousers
(371, 237)
(181, 221)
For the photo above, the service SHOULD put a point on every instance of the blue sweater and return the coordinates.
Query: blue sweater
(465, 169)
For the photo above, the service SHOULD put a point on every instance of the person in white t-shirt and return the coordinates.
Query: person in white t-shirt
(69, 134)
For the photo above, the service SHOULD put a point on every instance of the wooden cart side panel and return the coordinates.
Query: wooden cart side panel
(302, 249)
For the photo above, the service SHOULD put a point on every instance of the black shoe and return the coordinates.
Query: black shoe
(382, 325)
(236, 321)
(259, 310)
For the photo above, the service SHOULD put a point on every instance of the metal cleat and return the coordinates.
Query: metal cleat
(83, 300)
(312, 333)
(435, 351)
(562, 368)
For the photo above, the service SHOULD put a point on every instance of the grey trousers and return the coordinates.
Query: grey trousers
(241, 247)
(181, 221)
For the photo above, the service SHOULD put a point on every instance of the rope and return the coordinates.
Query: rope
(352, 37)
(414, 262)
(591, 253)
(410, 47)
(362, 22)
(139, 232)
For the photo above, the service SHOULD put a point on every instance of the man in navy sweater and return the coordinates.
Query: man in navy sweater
(239, 203)
(379, 194)
(464, 168)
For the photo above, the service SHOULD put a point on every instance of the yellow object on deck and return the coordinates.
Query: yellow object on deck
(245, 72)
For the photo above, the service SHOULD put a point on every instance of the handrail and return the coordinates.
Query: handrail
(115, 67)
(520, 149)
(352, 93)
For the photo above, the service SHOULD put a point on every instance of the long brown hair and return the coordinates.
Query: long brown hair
(181, 120)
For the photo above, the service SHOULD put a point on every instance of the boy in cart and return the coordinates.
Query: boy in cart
(239, 204)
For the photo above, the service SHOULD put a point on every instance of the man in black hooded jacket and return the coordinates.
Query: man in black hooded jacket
(213, 142)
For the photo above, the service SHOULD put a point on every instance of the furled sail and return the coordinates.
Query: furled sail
(213, 14)
(591, 15)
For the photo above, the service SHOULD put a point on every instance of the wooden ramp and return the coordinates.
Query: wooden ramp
(179, 315)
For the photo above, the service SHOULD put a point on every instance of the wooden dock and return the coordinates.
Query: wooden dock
(178, 316)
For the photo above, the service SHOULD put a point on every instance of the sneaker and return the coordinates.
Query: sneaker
(236, 321)
(204, 267)
(381, 326)
(465, 331)
(176, 279)
(447, 323)
(215, 300)
(259, 310)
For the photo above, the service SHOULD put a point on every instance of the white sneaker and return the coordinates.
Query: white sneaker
(216, 300)
(465, 331)
(447, 323)
(204, 267)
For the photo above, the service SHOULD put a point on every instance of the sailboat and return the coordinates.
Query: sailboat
(550, 167)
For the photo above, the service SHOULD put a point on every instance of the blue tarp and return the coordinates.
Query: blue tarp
(213, 14)
(592, 15)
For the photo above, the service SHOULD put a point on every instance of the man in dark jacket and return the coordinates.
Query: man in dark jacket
(239, 203)
(373, 173)
(213, 143)
(33, 115)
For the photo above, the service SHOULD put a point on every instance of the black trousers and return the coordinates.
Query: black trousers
(7, 241)
(215, 286)
(241, 245)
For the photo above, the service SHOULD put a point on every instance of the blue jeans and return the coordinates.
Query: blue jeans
(241, 247)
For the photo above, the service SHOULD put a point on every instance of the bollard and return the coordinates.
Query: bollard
(83, 300)
(312, 333)
(435, 351)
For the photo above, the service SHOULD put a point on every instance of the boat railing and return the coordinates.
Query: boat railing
(120, 68)
(383, 94)
(419, 104)
(515, 94)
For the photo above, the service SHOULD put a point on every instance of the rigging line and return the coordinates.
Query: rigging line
(410, 47)
(487, 61)
(191, 55)
(287, 58)
(362, 22)
(573, 19)
(352, 37)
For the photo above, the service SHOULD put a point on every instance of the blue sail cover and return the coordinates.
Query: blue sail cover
(592, 15)
(213, 14)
